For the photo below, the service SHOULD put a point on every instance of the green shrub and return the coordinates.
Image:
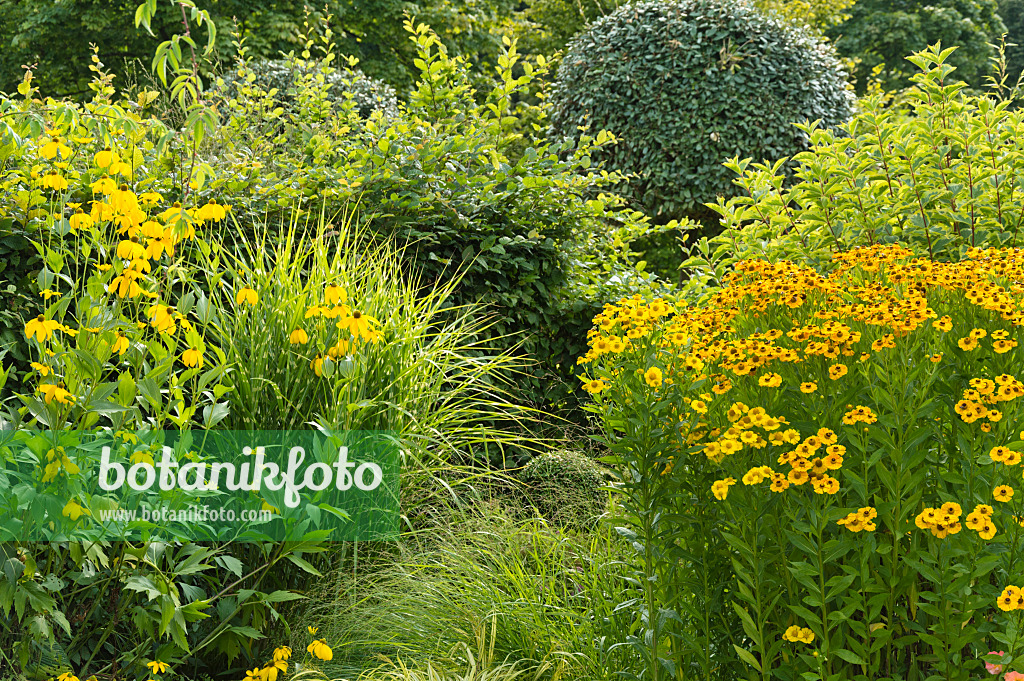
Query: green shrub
(368, 95)
(686, 84)
(565, 486)
(938, 171)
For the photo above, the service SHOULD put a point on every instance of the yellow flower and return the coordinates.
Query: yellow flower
(105, 158)
(74, 510)
(53, 147)
(253, 674)
(837, 371)
(246, 295)
(967, 343)
(359, 325)
(53, 181)
(653, 377)
(156, 666)
(212, 211)
(41, 368)
(808, 387)
(720, 488)
(1002, 493)
(320, 649)
(770, 380)
(121, 344)
(282, 653)
(40, 328)
(312, 630)
(298, 337)
(161, 318)
(192, 358)
(1009, 598)
(52, 392)
(334, 295)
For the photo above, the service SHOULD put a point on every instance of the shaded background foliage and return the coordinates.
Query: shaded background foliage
(884, 32)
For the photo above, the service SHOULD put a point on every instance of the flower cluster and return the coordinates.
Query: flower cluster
(862, 519)
(980, 520)
(942, 521)
(1012, 598)
(798, 634)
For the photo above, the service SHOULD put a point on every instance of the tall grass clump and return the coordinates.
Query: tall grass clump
(325, 327)
(548, 596)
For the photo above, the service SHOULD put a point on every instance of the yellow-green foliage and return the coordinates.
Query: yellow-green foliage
(845, 447)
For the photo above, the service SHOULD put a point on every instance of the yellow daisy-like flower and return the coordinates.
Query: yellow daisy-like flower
(156, 666)
(837, 371)
(41, 328)
(74, 510)
(335, 295)
(808, 387)
(360, 325)
(298, 337)
(321, 650)
(246, 295)
(720, 488)
(653, 377)
(192, 358)
(55, 393)
(1002, 493)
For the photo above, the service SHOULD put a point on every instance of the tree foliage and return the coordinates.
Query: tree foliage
(883, 32)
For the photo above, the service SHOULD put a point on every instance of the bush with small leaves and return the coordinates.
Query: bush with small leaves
(687, 84)
(283, 75)
(565, 486)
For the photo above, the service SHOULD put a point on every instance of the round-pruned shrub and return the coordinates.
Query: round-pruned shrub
(368, 94)
(687, 84)
(565, 486)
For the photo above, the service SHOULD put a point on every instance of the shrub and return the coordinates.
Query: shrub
(282, 76)
(846, 447)
(938, 171)
(565, 486)
(684, 85)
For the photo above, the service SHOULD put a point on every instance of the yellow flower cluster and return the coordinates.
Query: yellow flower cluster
(980, 520)
(862, 519)
(1012, 598)
(797, 634)
(942, 521)
(277, 665)
(806, 466)
(354, 325)
(720, 488)
(983, 392)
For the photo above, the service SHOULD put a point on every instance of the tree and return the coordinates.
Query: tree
(884, 32)
(56, 36)
(1012, 14)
